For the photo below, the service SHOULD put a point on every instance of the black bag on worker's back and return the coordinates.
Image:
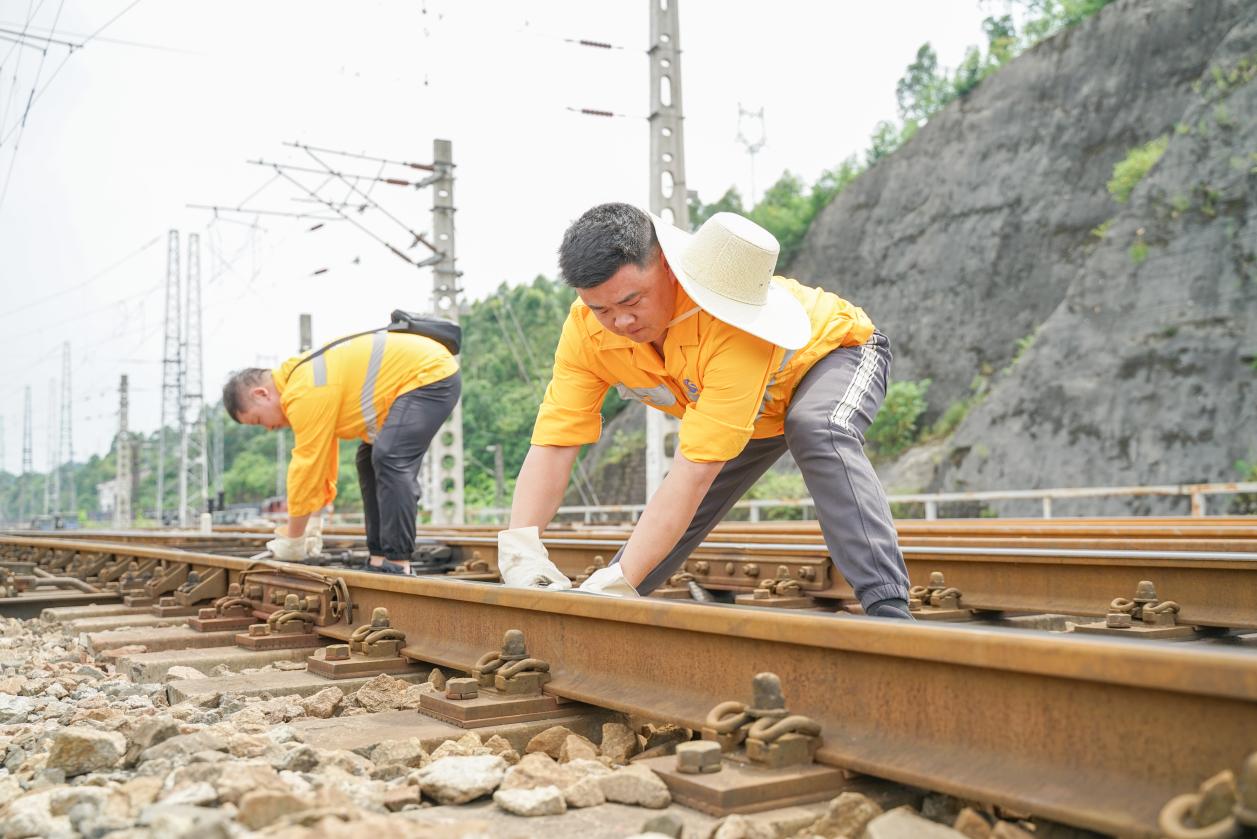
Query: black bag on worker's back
(446, 333)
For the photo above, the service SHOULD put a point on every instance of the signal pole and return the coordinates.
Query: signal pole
(122, 457)
(52, 484)
(65, 449)
(667, 186)
(171, 367)
(28, 459)
(193, 477)
(445, 457)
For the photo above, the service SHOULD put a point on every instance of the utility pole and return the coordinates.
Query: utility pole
(28, 458)
(667, 186)
(52, 484)
(219, 494)
(752, 147)
(445, 457)
(499, 475)
(65, 450)
(122, 457)
(305, 330)
(193, 477)
(171, 367)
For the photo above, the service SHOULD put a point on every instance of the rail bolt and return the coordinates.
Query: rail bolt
(766, 696)
(462, 688)
(1145, 592)
(936, 580)
(730, 567)
(698, 757)
(258, 630)
(702, 567)
(379, 618)
(1118, 620)
(513, 646)
(336, 652)
(206, 614)
(751, 569)
(165, 601)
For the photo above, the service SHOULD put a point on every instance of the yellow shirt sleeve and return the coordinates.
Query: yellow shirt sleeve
(315, 454)
(571, 412)
(717, 427)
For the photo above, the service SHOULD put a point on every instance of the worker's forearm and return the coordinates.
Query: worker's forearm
(541, 484)
(666, 517)
(297, 525)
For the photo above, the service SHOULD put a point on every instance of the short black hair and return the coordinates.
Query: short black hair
(604, 240)
(237, 387)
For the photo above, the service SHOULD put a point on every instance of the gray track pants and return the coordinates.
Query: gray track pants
(388, 470)
(825, 423)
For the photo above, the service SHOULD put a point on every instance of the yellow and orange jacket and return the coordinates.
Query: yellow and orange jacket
(725, 385)
(346, 393)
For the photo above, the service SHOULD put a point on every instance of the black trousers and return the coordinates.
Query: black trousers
(388, 469)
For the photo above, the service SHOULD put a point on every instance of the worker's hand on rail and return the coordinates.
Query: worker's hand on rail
(524, 562)
(289, 549)
(609, 581)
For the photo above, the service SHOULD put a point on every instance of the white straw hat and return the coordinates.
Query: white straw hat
(726, 267)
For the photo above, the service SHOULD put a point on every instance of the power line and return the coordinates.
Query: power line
(30, 100)
(428, 167)
(141, 249)
(45, 38)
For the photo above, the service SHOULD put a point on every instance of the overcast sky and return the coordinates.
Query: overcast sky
(166, 106)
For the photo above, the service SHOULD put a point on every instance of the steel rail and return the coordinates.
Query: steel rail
(1213, 588)
(1087, 731)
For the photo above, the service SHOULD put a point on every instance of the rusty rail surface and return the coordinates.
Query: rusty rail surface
(1088, 731)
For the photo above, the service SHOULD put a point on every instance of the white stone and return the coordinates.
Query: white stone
(541, 801)
(903, 823)
(195, 794)
(15, 709)
(457, 780)
(634, 784)
(587, 792)
(78, 749)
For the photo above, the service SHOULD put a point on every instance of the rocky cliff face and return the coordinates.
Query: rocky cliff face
(1116, 359)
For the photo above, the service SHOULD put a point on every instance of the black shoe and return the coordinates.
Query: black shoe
(387, 567)
(891, 607)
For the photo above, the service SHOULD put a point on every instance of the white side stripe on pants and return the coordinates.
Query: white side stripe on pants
(856, 388)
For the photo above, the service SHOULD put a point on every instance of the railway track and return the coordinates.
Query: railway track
(1063, 725)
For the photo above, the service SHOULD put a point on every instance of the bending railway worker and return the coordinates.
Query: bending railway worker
(697, 326)
(391, 390)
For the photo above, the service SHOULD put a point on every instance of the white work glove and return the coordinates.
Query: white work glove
(288, 549)
(524, 562)
(314, 535)
(609, 581)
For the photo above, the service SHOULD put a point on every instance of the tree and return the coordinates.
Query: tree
(922, 91)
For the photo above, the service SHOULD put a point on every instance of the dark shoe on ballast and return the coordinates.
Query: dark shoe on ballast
(891, 607)
(387, 567)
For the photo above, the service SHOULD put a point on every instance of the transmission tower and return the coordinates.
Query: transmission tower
(123, 458)
(752, 147)
(28, 458)
(65, 451)
(171, 367)
(52, 484)
(445, 459)
(193, 461)
(667, 187)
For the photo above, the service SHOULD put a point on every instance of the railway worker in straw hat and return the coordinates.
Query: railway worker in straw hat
(392, 391)
(696, 325)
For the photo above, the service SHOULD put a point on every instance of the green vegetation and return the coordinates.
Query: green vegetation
(1244, 504)
(1131, 170)
(1138, 252)
(898, 422)
(958, 410)
(786, 486)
